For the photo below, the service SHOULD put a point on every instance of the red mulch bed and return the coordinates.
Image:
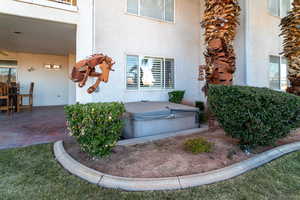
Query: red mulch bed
(167, 158)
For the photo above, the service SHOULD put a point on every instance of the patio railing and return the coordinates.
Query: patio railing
(68, 2)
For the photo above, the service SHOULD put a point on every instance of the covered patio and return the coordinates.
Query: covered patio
(35, 60)
(38, 52)
(42, 125)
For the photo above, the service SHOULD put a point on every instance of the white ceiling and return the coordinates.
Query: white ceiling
(37, 36)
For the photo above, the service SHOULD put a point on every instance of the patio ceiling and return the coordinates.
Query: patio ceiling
(36, 36)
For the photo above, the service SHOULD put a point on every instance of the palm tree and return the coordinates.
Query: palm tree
(290, 27)
(220, 21)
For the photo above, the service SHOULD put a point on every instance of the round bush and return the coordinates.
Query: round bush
(198, 145)
(97, 126)
(202, 115)
(176, 96)
(256, 116)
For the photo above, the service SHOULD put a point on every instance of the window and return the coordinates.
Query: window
(149, 73)
(279, 8)
(157, 9)
(278, 73)
(8, 71)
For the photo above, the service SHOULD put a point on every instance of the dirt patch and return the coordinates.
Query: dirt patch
(167, 158)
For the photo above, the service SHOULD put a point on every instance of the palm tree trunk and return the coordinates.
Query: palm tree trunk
(220, 21)
(290, 27)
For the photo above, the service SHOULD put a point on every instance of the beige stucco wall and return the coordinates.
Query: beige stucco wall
(118, 34)
(262, 31)
(240, 47)
(51, 87)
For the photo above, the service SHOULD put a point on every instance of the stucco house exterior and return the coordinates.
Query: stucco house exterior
(164, 35)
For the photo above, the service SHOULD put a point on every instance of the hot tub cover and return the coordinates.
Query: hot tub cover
(140, 111)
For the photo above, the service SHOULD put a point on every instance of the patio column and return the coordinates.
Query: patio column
(85, 43)
(72, 86)
(290, 27)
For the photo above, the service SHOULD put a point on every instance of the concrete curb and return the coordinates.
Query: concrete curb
(172, 183)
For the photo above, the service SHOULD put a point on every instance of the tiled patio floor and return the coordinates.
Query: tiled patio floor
(42, 125)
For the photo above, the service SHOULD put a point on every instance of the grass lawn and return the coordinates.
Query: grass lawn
(32, 173)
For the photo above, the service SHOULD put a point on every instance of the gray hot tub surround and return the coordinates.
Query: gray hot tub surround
(154, 118)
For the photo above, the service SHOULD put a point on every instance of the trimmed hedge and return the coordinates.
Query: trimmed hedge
(256, 116)
(96, 126)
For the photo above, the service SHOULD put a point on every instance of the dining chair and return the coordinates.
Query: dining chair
(29, 96)
(14, 95)
(5, 104)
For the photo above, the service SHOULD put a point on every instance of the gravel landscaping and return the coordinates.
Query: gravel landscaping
(167, 158)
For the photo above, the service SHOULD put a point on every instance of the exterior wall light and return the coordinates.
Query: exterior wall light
(53, 67)
(30, 69)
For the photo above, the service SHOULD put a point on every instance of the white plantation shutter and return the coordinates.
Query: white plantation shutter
(150, 72)
(132, 72)
(157, 72)
(169, 76)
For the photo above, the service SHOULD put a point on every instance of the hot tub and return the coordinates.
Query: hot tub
(154, 118)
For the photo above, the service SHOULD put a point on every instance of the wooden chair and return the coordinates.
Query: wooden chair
(29, 96)
(15, 95)
(4, 98)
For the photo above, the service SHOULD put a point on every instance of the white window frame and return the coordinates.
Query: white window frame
(139, 88)
(280, 71)
(152, 18)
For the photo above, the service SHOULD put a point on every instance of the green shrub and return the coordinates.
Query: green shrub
(176, 96)
(198, 145)
(256, 116)
(97, 126)
(200, 105)
(202, 114)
